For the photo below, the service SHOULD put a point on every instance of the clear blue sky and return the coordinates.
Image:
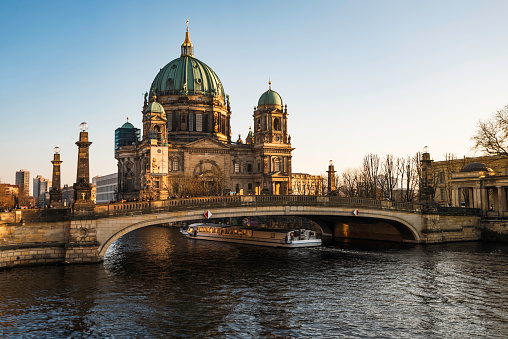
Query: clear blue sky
(359, 77)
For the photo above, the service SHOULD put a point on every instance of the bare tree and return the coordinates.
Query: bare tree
(388, 178)
(350, 182)
(409, 173)
(370, 174)
(209, 184)
(492, 134)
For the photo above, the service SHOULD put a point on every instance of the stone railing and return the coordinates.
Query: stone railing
(154, 206)
(137, 207)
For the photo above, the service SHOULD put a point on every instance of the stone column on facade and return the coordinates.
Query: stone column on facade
(484, 201)
(55, 193)
(455, 193)
(290, 172)
(478, 198)
(501, 198)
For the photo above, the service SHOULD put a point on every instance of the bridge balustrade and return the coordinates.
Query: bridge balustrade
(143, 207)
(122, 208)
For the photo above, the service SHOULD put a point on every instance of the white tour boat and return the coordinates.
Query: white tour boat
(253, 235)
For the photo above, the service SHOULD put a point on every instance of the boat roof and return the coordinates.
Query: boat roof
(254, 228)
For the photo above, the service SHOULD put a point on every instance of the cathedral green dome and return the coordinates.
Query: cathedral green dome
(187, 75)
(270, 97)
(154, 107)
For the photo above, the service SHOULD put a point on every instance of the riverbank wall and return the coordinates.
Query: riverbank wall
(494, 230)
(40, 243)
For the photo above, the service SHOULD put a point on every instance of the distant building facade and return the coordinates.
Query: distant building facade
(67, 195)
(307, 184)
(106, 187)
(442, 172)
(23, 181)
(40, 186)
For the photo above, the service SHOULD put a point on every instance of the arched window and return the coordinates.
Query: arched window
(276, 124)
(157, 131)
(276, 165)
(169, 84)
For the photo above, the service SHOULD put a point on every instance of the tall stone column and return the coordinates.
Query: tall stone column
(82, 188)
(82, 243)
(55, 193)
(331, 177)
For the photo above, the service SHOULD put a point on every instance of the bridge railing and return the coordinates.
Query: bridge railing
(143, 207)
(121, 208)
(138, 207)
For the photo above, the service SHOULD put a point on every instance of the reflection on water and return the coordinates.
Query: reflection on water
(156, 284)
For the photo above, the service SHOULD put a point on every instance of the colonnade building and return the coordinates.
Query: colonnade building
(186, 147)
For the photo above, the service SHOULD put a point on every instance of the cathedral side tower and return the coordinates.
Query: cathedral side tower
(154, 157)
(272, 143)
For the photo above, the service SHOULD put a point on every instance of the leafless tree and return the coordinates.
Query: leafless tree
(349, 182)
(492, 134)
(409, 174)
(388, 177)
(209, 184)
(370, 175)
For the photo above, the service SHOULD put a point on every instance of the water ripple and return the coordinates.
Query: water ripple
(155, 284)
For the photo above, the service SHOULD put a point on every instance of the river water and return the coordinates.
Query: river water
(156, 284)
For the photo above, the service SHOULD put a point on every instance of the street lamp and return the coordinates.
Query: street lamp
(83, 127)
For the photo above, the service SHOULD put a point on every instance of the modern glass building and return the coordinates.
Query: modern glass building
(126, 135)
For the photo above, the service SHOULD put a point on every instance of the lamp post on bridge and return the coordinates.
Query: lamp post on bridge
(55, 193)
(83, 203)
(426, 189)
(331, 178)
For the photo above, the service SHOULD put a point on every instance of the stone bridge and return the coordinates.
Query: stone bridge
(46, 236)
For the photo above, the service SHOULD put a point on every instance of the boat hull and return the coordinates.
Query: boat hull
(258, 242)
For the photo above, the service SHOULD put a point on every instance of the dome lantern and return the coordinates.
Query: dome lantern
(187, 47)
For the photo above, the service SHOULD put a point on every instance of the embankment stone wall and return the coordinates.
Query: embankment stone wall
(494, 230)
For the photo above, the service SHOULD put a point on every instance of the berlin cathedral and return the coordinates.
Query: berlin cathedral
(186, 139)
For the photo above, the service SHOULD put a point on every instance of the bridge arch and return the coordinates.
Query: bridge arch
(324, 216)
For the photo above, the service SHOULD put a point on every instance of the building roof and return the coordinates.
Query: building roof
(153, 107)
(270, 97)
(187, 75)
(127, 125)
(476, 167)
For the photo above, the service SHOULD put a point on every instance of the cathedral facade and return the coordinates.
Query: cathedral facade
(186, 147)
